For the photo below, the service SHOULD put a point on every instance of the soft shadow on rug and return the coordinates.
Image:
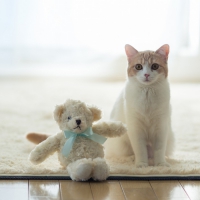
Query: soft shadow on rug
(27, 104)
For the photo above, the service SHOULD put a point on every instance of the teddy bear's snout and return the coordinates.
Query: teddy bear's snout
(78, 122)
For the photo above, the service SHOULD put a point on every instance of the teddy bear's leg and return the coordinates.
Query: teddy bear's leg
(101, 169)
(81, 170)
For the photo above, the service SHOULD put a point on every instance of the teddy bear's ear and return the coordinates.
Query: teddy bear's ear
(58, 113)
(96, 112)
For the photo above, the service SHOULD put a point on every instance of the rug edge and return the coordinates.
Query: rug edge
(112, 177)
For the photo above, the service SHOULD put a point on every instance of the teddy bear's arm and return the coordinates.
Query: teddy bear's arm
(109, 129)
(44, 149)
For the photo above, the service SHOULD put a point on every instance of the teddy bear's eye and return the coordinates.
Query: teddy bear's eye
(69, 118)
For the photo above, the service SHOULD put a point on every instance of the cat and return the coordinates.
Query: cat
(144, 106)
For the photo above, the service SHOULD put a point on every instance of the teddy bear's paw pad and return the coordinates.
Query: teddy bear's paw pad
(101, 170)
(80, 170)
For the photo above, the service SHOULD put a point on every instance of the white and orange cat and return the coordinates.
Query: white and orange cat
(144, 106)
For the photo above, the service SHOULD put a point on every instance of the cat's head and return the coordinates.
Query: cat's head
(147, 67)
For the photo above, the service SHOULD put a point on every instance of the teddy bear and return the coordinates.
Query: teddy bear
(79, 144)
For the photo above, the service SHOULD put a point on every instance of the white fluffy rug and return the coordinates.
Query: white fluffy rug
(26, 104)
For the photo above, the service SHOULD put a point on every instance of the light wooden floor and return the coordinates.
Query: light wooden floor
(114, 190)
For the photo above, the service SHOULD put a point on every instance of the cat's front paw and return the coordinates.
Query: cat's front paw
(141, 164)
(164, 164)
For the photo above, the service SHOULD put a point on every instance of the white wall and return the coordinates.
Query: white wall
(94, 32)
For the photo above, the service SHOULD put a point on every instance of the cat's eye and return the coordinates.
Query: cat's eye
(155, 66)
(69, 118)
(138, 67)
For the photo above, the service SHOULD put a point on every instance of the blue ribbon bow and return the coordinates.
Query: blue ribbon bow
(71, 137)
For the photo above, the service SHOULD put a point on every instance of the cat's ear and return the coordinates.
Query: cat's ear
(164, 51)
(130, 51)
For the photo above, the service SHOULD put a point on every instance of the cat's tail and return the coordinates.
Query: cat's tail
(36, 138)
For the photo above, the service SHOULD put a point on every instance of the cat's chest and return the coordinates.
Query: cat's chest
(147, 97)
(144, 100)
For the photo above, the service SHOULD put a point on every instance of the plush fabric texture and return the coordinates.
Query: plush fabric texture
(27, 104)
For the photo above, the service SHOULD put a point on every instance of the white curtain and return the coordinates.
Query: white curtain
(43, 32)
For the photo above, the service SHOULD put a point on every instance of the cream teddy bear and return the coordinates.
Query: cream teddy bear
(79, 145)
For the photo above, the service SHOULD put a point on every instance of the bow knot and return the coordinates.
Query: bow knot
(71, 137)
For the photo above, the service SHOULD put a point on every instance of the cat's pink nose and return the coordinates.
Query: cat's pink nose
(147, 75)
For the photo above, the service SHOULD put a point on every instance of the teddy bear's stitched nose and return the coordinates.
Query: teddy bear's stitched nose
(78, 121)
